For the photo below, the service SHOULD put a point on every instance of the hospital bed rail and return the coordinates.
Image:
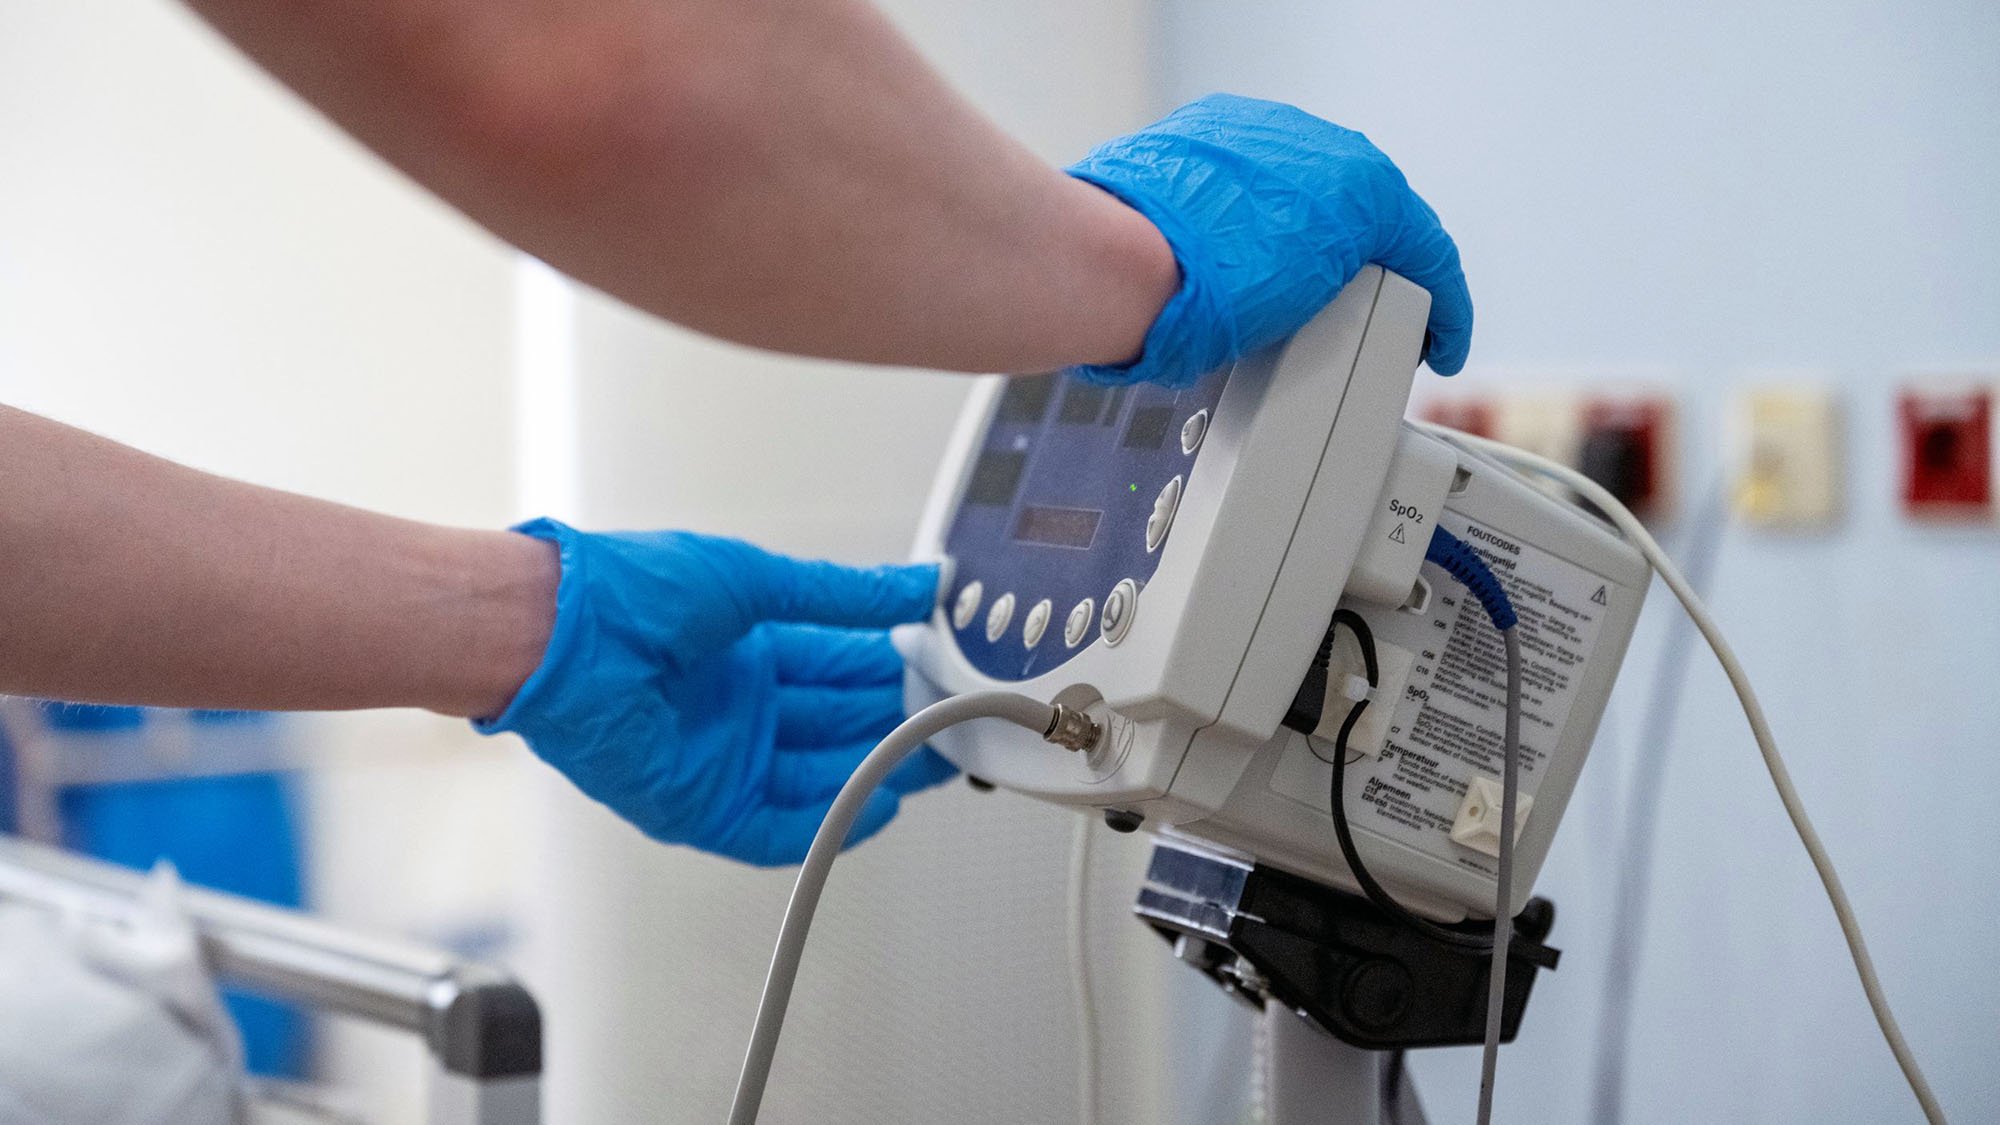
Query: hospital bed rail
(482, 1029)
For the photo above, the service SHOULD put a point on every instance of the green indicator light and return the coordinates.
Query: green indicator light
(1135, 488)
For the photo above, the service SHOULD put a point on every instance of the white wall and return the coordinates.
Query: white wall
(194, 263)
(1706, 189)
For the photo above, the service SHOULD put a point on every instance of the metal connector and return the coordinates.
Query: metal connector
(1071, 729)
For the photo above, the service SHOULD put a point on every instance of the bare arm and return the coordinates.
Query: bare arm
(786, 173)
(131, 579)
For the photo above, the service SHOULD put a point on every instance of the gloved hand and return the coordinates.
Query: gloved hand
(717, 695)
(1270, 211)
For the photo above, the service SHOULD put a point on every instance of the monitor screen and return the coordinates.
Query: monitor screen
(1083, 403)
(1026, 398)
(1057, 527)
(1149, 427)
(995, 476)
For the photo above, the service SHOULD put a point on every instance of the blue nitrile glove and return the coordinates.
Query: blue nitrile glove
(715, 694)
(1270, 211)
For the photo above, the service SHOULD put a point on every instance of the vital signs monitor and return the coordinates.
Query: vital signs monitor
(1170, 560)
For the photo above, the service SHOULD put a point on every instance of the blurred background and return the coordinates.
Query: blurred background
(1743, 260)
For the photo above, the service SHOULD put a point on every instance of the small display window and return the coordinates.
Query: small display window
(1149, 427)
(995, 477)
(1058, 527)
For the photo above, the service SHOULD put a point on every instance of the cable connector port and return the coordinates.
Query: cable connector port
(1071, 729)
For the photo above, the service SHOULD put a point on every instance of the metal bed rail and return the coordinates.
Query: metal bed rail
(482, 1029)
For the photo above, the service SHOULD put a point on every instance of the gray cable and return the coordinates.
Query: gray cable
(1503, 882)
(1760, 730)
(900, 743)
(1083, 992)
(1642, 816)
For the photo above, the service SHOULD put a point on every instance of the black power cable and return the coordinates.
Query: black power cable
(1478, 939)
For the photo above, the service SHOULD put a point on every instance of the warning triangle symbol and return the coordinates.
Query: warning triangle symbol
(1396, 536)
(1598, 597)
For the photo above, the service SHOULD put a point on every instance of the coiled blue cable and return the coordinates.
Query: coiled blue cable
(1463, 563)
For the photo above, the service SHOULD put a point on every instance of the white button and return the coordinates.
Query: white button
(1078, 625)
(967, 605)
(1120, 605)
(1163, 514)
(1192, 430)
(1037, 623)
(998, 617)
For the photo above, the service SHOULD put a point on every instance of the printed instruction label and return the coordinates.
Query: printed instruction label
(1450, 722)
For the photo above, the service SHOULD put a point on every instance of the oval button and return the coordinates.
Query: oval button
(1162, 519)
(1078, 625)
(1192, 431)
(998, 617)
(1120, 606)
(963, 610)
(1037, 623)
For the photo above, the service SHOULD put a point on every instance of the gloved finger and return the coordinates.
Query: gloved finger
(805, 778)
(824, 593)
(776, 836)
(1448, 336)
(1448, 340)
(817, 654)
(1420, 250)
(811, 716)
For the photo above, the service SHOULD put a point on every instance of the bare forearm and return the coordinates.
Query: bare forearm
(125, 578)
(787, 173)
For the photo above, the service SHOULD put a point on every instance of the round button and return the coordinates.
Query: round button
(1078, 625)
(1119, 607)
(1162, 518)
(1037, 623)
(998, 617)
(1192, 431)
(962, 611)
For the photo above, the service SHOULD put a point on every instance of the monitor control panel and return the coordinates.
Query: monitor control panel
(1069, 504)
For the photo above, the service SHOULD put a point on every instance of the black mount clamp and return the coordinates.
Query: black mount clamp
(1368, 979)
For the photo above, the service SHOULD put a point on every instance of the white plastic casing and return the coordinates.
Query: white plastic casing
(1578, 589)
(1392, 549)
(1287, 495)
(1295, 453)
